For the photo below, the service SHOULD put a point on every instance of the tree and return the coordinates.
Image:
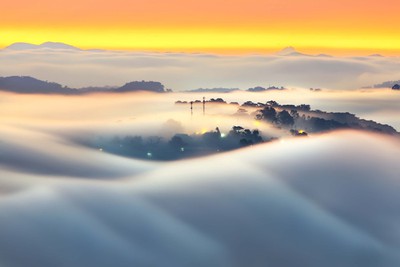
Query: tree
(284, 118)
(294, 114)
(272, 103)
(237, 129)
(268, 113)
(177, 142)
(245, 142)
(304, 107)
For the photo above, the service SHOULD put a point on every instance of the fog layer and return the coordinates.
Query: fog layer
(326, 200)
(181, 71)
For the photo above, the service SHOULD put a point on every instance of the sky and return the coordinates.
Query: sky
(236, 26)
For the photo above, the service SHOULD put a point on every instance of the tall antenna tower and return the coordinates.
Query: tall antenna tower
(204, 106)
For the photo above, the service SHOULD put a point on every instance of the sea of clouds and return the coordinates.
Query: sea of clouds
(327, 200)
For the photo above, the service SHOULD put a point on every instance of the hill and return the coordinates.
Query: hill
(387, 84)
(262, 89)
(29, 85)
(46, 45)
(141, 86)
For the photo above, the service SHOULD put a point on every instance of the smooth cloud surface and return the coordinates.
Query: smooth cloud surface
(328, 200)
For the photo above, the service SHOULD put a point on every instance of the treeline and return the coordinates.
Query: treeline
(315, 121)
(180, 145)
(29, 85)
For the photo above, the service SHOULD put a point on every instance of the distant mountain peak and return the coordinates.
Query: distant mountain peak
(376, 55)
(46, 45)
(289, 51)
(323, 55)
(21, 46)
(57, 45)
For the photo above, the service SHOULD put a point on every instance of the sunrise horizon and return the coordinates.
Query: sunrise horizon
(234, 51)
(337, 28)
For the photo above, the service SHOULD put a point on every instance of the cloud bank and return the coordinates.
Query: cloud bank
(77, 68)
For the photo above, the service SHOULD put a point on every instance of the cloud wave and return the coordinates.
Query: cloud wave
(330, 200)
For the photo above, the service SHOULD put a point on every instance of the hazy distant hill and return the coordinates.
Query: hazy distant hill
(91, 89)
(21, 46)
(141, 86)
(388, 84)
(29, 85)
(262, 89)
(289, 51)
(228, 90)
(46, 45)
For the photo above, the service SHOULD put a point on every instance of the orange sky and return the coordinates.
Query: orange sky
(335, 26)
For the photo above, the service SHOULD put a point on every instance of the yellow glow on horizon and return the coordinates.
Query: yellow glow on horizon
(206, 40)
(235, 26)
